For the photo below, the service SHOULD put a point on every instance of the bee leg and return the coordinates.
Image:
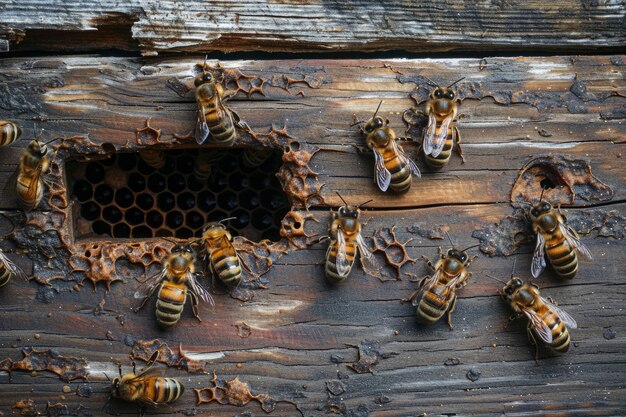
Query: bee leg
(512, 318)
(552, 300)
(533, 341)
(458, 143)
(470, 260)
(194, 305)
(361, 149)
(450, 310)
(412, 296)
(428, 262)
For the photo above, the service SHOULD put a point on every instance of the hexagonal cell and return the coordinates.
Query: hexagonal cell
(124, 196)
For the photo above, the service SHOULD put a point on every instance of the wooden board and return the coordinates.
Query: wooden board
(301, 334)
(295, 26)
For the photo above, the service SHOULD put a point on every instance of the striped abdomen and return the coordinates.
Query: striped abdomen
(254, 157)
(443, 158)
(5, 275)
(29, 199)
(400, 172)
(9, 132)
(153, 157)
(435, 303)
(162, 390)
(225, 265)
(170, 303)
(331, 260)
(560, 334)
(561, 255)
(219, 120)
(205, 162)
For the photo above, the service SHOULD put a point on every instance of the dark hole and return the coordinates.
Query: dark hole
(297, 225)
(108, 147)
(547, 183)
(88, 253)
(179, 198)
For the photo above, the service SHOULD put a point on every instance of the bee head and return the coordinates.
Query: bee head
(37, 148)
(205, 78)
(443, 93)
(513, 285)
(543, 214)
(455, 260)
(115, 385)
(348, 212)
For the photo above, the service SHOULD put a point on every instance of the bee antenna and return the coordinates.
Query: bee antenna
(227, 219)
(377, 108)
(431, 82)
(362, 204)
(541, 196)
(513, 268)
(107, 377)
(55, 139)
(170, 240)
(470, 247)
(449, 238)
(344, 201)
(492, 277)
(356, 123)
(460, 79)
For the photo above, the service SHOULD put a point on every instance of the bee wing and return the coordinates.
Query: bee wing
(12, 267)
(147, 288)
(428, 143)
(408, 161)
(572, 238)
(426, 286)
(383, 176)
(202, 129)
(199, 290)
(563, 315)
(367, 257)
(538, 325)
(343, 265)
(440, 139)
(539, 260)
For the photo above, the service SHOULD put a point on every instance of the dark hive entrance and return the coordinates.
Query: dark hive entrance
(164, 194)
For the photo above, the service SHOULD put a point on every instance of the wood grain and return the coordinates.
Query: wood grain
(296, 26)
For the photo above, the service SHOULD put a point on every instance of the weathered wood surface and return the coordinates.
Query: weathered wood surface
(302, 331)
(202, 26)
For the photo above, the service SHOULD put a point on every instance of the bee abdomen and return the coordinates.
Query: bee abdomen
(5, 276)
(561, 340)
(9, 133)
(153, 157)
(221, 128)
(228, 268)
(431, 308)
(563, 260)
(252, 158)
(170, 304)
(400, 178)
(21, 190)
(438, 162)
(331, 261)
(164, 390)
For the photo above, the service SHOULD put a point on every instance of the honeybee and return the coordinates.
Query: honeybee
(34, 164)
(441, 131)
(175, 282)
(393, 168)
(205, 162)
(345, 242)
(555, 240)
(253, 158)
(9, 269)
(148, 388)
(9, 132)
(545, 319)
(153, 157)
(213, 117)
(436, 294)
(223, 259)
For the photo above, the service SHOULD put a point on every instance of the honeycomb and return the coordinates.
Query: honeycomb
(140, 196)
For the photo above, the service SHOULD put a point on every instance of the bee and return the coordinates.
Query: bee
(9, 269)
(176, 280)
(34, 164)
(436, 294)
(441, 131)
(205, 162)
(153, 157)
(253, 158)
(345, 242)
(147, 388)
(555, 240)
(545, 319)
(223, 259)
(393, 168)
(213, 117)
(9, 132)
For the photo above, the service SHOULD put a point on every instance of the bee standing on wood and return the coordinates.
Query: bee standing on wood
(175, 282)
(436, 294)
(393, 168)
(29, 183)
(223, 259)
(545, 319)
(345, 242)
(441, 131)
(214, 118)
(9, 132)
(555, 240)
(148, 388)
(9, 269)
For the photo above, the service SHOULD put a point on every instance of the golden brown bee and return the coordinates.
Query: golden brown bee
(34, 164)
(436, 294)
(9, 269)
(556, 241)
(175, 282)
(205, 162)
(345, 242)
(545, 319)
(9, 132)
(441, 131)
(393, 168)
(223, 259)
(148, 388)
(153, 157)
(213, 117)
(253, 158)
